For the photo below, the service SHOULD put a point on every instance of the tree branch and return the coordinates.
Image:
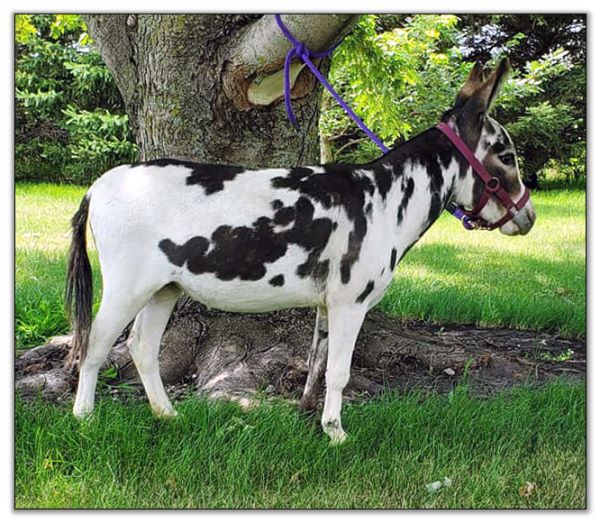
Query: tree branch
(257, 54)
(114, 37)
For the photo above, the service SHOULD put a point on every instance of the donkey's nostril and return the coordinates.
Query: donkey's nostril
(529, 220)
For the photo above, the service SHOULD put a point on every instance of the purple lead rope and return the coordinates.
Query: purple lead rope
(299, 49)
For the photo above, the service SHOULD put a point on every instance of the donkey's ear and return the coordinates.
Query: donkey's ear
(473, 82)
(490, 89)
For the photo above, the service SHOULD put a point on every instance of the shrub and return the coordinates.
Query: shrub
(401, 73)
(71, 125)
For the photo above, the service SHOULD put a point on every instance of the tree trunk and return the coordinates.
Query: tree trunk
(209, 87)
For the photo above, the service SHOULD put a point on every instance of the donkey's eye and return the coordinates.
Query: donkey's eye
(507, 159)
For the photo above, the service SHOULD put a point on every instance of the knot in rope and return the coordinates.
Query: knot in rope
(298, 49)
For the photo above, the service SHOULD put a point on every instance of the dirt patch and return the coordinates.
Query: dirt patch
(233, 355)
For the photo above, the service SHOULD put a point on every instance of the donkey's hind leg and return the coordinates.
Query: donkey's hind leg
(317, 358)
(118, 307)
(144, 343)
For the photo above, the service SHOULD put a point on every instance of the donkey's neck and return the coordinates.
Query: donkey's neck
(423, 173)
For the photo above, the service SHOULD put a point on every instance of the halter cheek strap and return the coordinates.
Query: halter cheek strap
(471, 219)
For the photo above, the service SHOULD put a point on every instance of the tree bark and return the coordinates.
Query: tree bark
(185, 81)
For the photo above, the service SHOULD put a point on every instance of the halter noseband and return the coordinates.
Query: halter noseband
(471, 219)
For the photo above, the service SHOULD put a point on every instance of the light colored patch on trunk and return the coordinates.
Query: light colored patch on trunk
(265, 90)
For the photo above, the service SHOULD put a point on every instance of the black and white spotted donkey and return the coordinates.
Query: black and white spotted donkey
(252, 240)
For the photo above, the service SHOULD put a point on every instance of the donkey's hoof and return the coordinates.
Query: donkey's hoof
(337, 438)
(336, 433)
(164, 412)
(82, 412)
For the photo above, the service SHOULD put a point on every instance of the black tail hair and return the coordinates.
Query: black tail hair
(79, 289)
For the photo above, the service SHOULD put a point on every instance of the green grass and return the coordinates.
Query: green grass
(451, 275)
(216, 455)
(535, 281)
(42, 233)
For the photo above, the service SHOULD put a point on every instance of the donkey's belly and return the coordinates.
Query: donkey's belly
(239, 285)
(250, 296)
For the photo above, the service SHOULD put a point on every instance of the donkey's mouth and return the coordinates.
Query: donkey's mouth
(521, 223)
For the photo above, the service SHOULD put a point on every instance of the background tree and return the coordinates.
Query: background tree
(401, 72)
(70, 120)
(208, 87)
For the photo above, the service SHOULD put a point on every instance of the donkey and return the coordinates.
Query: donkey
(256, 240)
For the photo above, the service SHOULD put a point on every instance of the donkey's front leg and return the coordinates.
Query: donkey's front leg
(344, 325)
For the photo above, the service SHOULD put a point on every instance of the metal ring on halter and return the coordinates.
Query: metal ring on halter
(496, 184)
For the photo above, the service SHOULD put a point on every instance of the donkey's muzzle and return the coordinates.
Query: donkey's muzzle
(525, 218)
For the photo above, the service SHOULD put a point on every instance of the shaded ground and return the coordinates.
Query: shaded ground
(231, 355)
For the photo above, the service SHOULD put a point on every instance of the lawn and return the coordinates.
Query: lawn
(217, 455)
(483, 277)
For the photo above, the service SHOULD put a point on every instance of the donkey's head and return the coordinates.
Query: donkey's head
(488, 202)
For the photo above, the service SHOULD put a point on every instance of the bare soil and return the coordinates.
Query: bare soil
(260, 355)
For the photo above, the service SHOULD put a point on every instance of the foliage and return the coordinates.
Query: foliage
(401, 79)
(70, 121)
(485, 36)
(387, 77)
(543, 108)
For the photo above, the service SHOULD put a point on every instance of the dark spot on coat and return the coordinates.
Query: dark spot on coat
(435, 207)
(277, 281)
(340, 185)
(498, 148)
(301, 172)
(277, 204)
(363, 295)
(210, 177)
(285, 215)
(178, 255)
(383, 180)
(489, 126)
(243, 252)
(408, 192)
(345, 271)
(393, 256)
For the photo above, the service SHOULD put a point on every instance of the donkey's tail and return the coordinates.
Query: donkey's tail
(79, 289)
